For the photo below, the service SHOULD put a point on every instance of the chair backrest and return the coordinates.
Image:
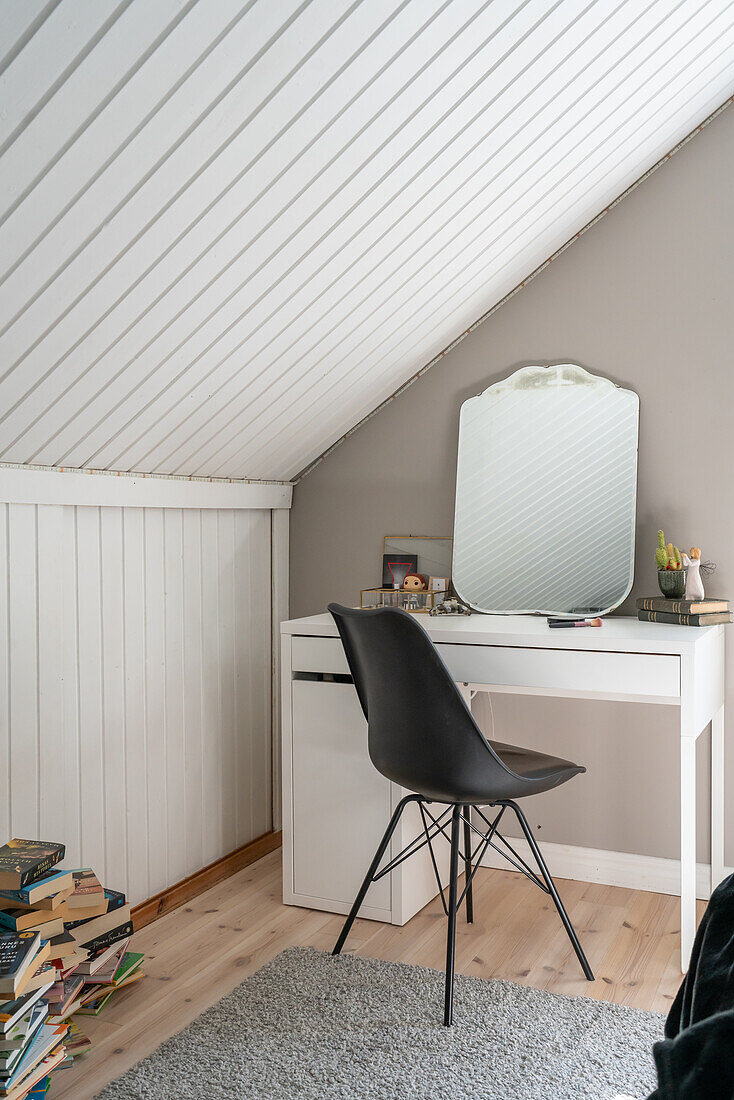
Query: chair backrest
(421, 733)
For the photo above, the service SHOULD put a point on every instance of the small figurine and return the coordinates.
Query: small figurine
(415, 582)
(694, 584)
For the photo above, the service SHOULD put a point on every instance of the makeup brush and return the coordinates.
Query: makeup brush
(573, 622)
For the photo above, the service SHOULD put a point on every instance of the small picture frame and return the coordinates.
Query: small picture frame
(438, 584)
(395, 568)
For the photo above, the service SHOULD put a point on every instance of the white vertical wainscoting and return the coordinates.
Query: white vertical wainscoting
(135, 684)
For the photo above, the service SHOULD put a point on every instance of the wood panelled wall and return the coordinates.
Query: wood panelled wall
(135, 686)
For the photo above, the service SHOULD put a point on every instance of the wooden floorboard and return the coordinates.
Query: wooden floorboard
(201, 951)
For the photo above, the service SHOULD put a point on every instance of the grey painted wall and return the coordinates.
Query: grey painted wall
(645, 299)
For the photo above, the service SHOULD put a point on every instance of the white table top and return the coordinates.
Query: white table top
(619, 633)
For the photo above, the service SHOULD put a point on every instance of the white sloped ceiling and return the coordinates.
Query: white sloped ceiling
(229, 229)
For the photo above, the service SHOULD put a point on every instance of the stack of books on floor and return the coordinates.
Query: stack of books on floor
(658, 609)
(64, 943)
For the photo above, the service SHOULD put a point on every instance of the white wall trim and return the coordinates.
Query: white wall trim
(280, 574)
(20, 485)
(661, 876)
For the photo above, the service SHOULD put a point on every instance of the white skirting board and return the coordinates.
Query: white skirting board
(661, 876)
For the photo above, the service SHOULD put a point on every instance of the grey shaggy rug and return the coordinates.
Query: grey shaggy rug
(315, 1027)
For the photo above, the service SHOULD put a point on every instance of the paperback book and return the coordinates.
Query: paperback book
(64, 951)
(17, 952)
(22, 862)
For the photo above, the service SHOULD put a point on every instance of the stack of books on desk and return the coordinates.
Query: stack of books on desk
(658, 609)
(64, 942)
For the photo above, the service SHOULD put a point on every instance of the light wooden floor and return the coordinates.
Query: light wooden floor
(200, 952)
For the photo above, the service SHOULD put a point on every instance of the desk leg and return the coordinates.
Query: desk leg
(717, 798)
(687, 847)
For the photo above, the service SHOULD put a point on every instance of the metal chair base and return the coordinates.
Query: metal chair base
(455, 824)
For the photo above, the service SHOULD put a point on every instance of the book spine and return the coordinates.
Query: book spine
(658, 603)
(682, 620)
(682, 607)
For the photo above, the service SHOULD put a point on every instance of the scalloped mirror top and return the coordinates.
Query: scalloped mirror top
(546, 489)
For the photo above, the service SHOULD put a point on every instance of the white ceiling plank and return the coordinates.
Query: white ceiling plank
(94, 221)
(231, 229)
(159, 323)
(312, 282)
(18, 23)
(60, 42)
(188, 315)
(322, 422)
(317, 408)
(212, 318)
(491, 216)
(84, 95)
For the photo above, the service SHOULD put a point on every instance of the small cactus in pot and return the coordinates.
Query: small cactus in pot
(671, 571)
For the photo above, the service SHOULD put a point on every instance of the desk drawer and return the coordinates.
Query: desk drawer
(545, 671)
(318, 655)
(566, 671)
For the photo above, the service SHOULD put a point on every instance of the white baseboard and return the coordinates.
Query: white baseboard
(661, 876)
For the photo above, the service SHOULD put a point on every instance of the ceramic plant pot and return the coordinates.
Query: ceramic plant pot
(672, 583)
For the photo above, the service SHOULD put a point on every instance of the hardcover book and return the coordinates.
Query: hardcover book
(684, 619)
(22, 862)
(682, 607)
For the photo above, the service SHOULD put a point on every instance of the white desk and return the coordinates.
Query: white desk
(335, 806)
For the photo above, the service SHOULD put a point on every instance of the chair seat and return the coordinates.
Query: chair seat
(532, 771)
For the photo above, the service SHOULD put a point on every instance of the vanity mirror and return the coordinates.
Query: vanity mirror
(546, 491)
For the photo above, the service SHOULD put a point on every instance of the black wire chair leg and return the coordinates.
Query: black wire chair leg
(588, 972)
(448, 1014)
(372, 871)
(467, 868)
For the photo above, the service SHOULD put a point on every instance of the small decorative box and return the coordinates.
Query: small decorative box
(398, 597)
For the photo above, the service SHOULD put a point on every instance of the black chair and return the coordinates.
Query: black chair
(423, 737)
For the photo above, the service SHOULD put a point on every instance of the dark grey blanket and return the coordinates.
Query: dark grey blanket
(695, 1060)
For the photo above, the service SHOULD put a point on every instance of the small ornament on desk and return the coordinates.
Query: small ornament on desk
(694, 584)
(450, 607)
(671, 572)
(413, 583)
